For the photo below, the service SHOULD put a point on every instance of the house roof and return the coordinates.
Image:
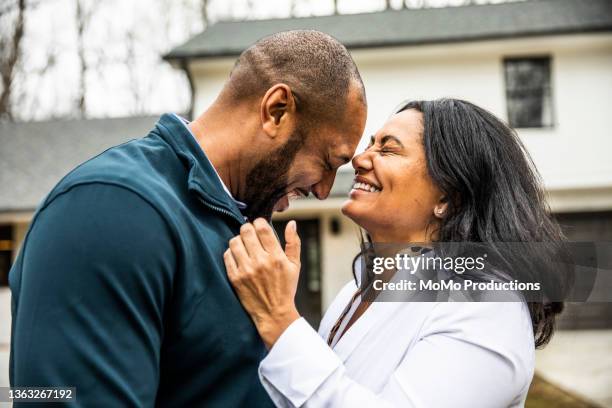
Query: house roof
(413, 27)
(34, 156)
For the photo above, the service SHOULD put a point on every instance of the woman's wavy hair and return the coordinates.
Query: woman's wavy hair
(494, 191)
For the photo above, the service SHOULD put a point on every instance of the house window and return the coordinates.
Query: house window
(528, 92)
(6, 252)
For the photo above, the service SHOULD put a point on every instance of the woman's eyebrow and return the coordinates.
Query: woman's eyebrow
(390, 138)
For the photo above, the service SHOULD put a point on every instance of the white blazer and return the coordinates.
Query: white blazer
(410, 354)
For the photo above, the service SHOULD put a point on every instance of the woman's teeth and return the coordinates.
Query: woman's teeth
(365, 187)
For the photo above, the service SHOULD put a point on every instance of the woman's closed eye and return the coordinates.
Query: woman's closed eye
(384, 150)
(388, 150)
(388, 146)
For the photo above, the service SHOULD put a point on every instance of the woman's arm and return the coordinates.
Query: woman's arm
(454, 363)
(301, 370)
(457, 362)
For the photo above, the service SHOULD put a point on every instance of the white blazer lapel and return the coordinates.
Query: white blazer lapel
(375, 316)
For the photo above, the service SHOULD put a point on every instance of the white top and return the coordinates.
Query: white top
(412, 354)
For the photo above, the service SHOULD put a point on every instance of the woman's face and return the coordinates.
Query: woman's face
(393, 197)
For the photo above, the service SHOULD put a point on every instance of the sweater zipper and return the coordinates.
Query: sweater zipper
(232, 215)
(222, 211)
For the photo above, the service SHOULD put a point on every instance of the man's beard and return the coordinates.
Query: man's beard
(268, 181)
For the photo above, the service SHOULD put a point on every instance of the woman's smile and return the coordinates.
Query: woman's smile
(363, 185)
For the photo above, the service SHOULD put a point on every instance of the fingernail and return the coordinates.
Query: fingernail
(293, 225)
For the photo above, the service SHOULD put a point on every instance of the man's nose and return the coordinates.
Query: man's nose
(322, 188)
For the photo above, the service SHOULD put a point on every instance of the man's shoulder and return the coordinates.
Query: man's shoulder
(142, 166)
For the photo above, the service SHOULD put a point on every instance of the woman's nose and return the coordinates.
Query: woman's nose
(362, 162)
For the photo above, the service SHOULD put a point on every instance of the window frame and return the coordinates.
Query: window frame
(550, 94)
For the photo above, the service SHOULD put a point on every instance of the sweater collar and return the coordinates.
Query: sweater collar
(202, 178)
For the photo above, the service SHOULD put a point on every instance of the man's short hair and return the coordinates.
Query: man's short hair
(317, 67)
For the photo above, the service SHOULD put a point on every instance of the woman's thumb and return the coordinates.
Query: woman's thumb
(292, 242)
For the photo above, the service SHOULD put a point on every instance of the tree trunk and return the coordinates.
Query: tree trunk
(204, 11)
(7, 68)
(82, 89)
(293, 9)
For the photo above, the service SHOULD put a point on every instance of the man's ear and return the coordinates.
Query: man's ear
(277, 110)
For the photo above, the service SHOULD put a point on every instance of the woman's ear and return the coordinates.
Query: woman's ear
(441, 208)
(277, 109)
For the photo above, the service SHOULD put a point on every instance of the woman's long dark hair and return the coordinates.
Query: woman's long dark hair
(492, 185)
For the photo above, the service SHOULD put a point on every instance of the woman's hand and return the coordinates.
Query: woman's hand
(265, 277)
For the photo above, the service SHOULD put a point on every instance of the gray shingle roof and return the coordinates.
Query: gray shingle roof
(413, 27)
(35, 156)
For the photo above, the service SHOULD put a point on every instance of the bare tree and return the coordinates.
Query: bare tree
(204, 12)
(294, 6)
(28, 104)
(10, 51)
(336, 11)
(80, 28)
(131, 64)
(83, 18)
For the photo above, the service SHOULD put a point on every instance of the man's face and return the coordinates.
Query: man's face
(307, 163)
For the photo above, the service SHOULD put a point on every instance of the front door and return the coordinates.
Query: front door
(588, 227)
(308, 297)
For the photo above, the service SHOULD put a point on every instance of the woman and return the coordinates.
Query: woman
(438, 171)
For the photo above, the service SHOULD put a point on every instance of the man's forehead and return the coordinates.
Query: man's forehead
(354, 118)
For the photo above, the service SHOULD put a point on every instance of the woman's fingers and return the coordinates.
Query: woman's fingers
(240, 253)
(267, 237)
(248, 251)
(230, 265)
(292, 243)
(257, 247)
(251, 241)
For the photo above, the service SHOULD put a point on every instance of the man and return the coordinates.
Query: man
(120, 288)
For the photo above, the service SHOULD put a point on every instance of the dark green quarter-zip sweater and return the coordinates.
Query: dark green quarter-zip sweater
(120, 288)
